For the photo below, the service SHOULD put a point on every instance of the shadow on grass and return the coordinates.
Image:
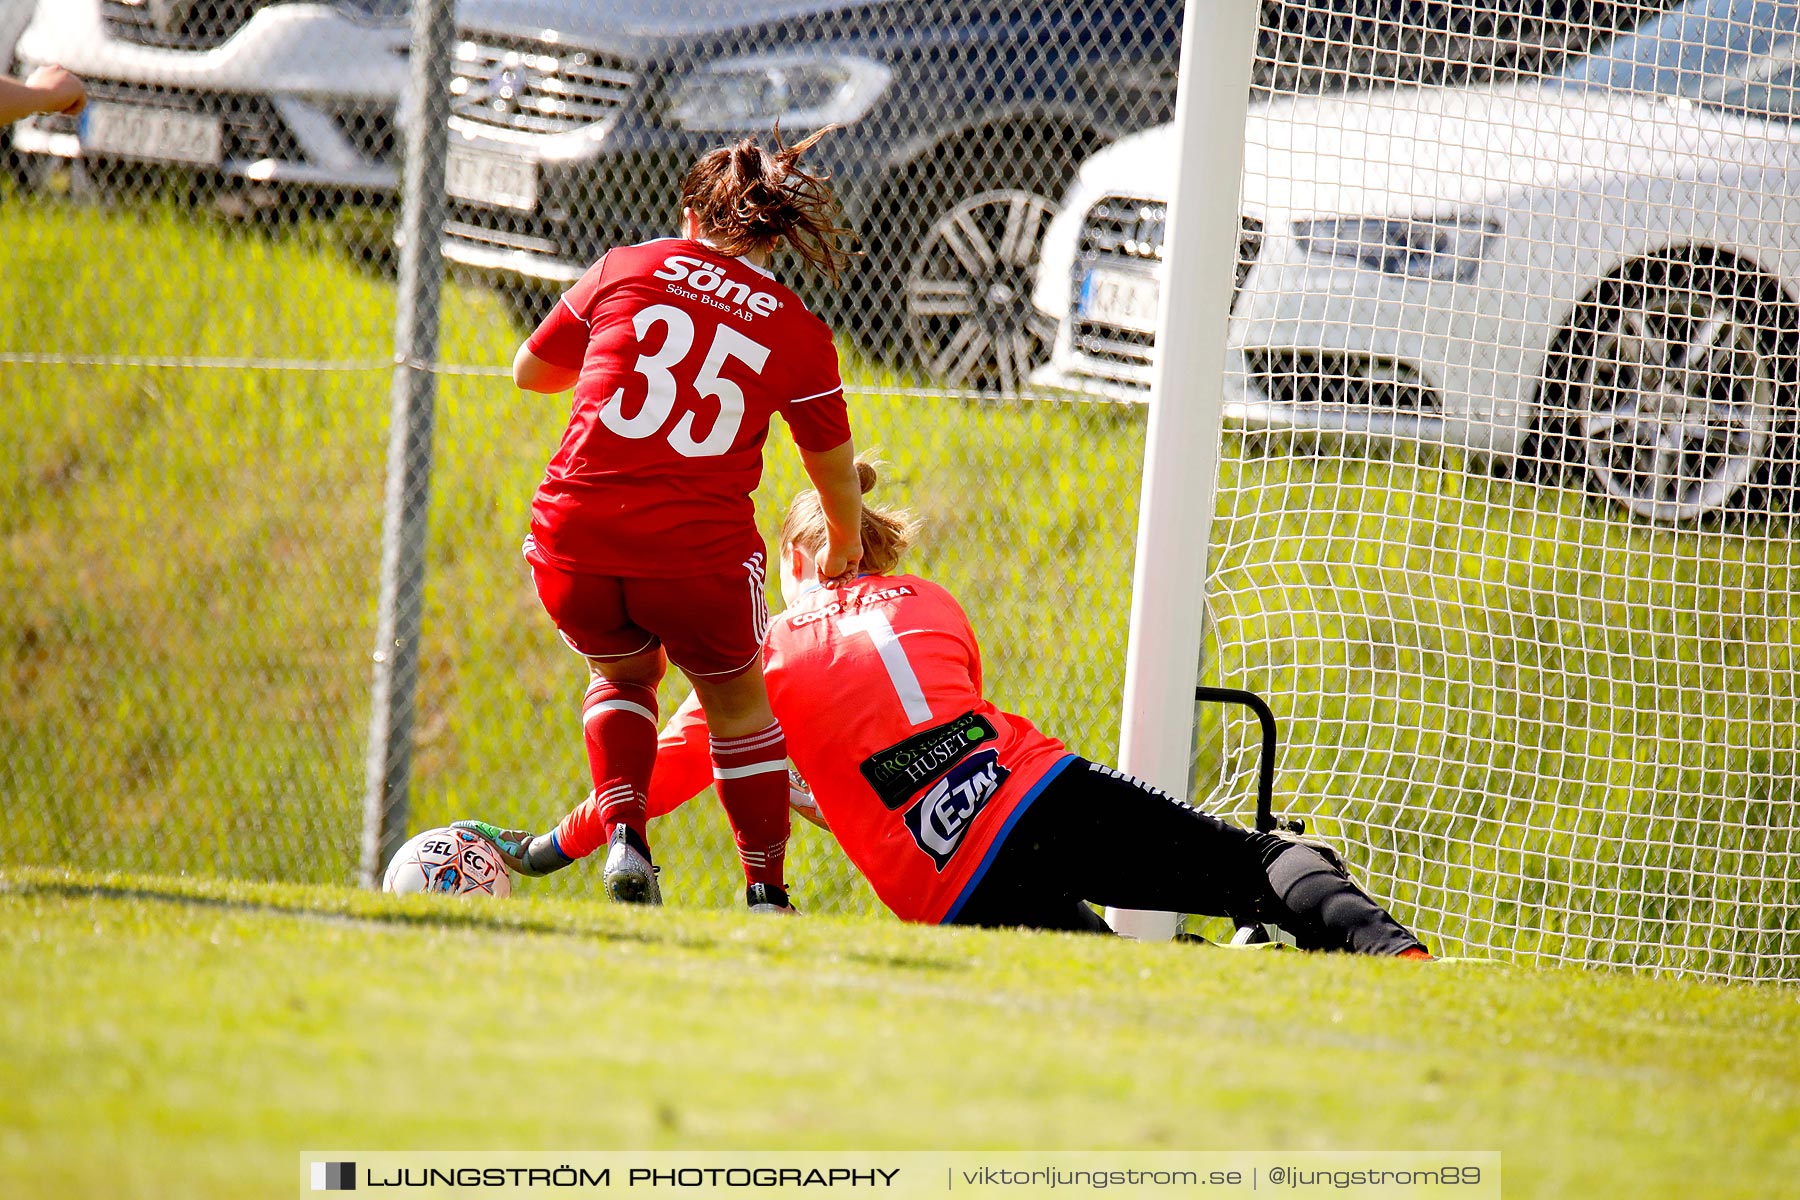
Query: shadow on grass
(360, 908)
(373, 911)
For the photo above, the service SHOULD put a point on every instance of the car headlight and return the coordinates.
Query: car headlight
(1418, 247)
(753, 93)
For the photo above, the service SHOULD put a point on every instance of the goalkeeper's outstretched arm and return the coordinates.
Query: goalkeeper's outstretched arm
(684, 767)
(683, 760)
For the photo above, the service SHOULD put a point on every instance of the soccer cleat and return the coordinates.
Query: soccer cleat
(1328, 909)
(629, 876)
(769, 898)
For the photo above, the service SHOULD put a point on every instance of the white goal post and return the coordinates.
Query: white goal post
(1181, 442)
(1483, 467)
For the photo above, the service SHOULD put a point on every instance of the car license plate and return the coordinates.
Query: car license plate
(484, 177)
(157, 134)
(1124, 299)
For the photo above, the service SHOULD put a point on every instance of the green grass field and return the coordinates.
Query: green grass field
(1538, 728)
(188, 557)
(185, 1038)
(1543, 729)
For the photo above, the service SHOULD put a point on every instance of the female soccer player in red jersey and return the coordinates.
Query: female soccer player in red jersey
(959, 813)
(643, 541)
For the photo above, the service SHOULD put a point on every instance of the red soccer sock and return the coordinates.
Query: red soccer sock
(619, 723)
(750, 773)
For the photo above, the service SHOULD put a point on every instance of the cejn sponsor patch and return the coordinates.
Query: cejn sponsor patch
(899, 771)
(943, 815)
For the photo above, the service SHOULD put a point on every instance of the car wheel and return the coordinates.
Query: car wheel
(1671, 388)
(970, 322)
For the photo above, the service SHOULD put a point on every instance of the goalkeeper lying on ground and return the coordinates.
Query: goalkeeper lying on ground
(962, 814)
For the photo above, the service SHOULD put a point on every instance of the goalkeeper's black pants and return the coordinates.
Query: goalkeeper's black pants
(1096, 834)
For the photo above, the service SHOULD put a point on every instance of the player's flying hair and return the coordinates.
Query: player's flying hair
(752, 199)
(887, 533)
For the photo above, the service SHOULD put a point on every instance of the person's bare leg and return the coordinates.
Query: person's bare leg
(735, 706)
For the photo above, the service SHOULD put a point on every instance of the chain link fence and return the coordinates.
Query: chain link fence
(1517, 581)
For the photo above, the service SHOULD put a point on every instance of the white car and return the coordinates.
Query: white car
(1598, 268)
(14, 16)
(265, 95)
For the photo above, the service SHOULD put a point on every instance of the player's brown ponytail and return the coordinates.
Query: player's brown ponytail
(887, 534)
(751, 199)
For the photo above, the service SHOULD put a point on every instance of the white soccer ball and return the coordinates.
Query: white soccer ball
(447, 860)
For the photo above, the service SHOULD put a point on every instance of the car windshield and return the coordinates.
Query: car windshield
(1737, 55)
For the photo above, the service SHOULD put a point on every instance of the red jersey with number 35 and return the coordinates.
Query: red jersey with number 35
(685, 354)
(878, 688)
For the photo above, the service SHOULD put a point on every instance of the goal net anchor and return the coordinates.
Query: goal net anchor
(1256, 933)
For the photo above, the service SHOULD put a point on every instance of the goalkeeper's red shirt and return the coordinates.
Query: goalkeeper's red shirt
(878, 686)
(685, 355)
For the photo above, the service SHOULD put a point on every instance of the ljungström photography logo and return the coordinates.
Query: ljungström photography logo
(334, 1177)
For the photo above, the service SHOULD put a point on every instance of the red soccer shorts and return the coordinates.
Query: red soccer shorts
(711, 626)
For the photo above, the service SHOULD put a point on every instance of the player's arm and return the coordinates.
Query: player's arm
(820, 422)
(683, 760)
(550, 359)
(47, 90)
(683, 771)
(833, 475)
(532, 374)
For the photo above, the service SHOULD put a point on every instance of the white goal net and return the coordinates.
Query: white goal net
(1504, 526)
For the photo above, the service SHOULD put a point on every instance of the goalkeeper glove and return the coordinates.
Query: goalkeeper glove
(524, 853)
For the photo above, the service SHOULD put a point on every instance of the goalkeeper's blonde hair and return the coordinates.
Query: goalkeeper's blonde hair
(886, 533)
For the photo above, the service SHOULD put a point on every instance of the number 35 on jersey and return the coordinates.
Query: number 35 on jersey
(661, 381)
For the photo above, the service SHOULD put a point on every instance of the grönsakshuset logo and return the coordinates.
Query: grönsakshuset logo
(897, 772)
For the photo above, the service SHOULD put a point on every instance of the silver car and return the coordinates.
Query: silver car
(14, 16)
(1598, 270)
(262, 96)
